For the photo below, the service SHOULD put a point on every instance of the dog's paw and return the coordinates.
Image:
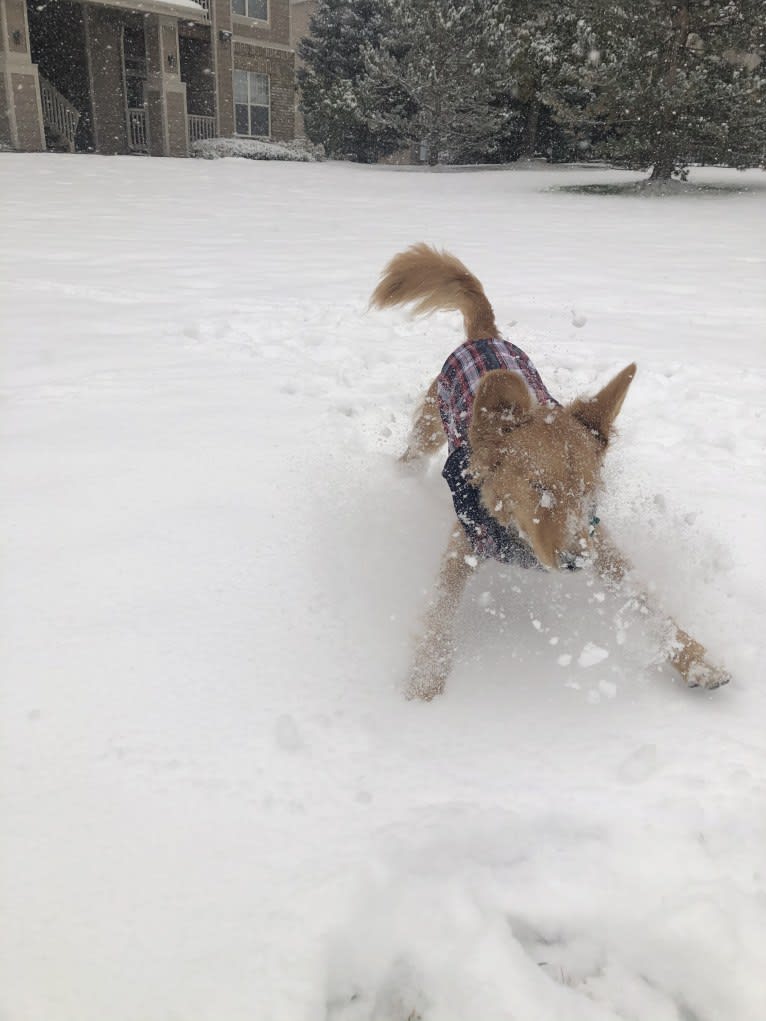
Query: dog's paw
(705, 675)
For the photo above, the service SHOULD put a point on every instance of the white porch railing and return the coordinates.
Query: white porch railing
(138, 135)
(205, 5)
(200, 127)
(58, 113)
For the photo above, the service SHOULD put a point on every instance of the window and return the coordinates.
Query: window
(251, 103)
(258, 9)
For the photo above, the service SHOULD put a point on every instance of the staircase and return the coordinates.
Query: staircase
(59, 116)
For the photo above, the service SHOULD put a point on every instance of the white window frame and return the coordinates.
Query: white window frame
(251, 17)
(250, 95)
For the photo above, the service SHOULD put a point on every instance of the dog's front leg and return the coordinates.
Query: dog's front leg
(683, 652)
(436, 647)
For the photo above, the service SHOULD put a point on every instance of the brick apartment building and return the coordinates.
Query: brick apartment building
(144, 76)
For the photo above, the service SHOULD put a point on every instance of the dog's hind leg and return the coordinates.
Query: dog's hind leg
(436, 647)
(426, 434)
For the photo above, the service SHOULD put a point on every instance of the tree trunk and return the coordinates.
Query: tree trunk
(662, 169)
(664, 162)
(436, 134)
(530, 128)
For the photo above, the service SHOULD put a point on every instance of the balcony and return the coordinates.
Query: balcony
(138, 130)
(200, 128)
(59, 116)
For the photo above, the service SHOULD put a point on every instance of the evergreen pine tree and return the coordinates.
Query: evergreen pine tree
(341, 33)
(537, 35)
(435, 73)
(671, 82)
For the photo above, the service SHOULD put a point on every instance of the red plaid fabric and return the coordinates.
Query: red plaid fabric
(460, 376)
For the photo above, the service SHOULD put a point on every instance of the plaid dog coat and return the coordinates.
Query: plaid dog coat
(455, 390)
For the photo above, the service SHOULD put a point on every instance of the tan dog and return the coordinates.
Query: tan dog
(524, 471)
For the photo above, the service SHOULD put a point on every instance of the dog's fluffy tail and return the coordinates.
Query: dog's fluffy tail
(436, 280)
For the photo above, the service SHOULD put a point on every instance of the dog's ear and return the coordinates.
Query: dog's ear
(502, 403)
(598, 413)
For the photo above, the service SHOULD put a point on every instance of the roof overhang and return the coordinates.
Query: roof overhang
(184, 10)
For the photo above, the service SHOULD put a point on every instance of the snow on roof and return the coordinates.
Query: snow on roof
(190, 5)
(188, 9)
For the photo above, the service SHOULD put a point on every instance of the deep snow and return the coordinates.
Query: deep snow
(216, 804)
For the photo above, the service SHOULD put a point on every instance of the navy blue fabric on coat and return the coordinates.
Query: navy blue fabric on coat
(487, 537)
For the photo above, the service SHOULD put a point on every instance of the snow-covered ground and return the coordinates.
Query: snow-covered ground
(216, 805)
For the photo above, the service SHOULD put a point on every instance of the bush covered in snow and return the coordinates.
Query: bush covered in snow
(256, 149)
